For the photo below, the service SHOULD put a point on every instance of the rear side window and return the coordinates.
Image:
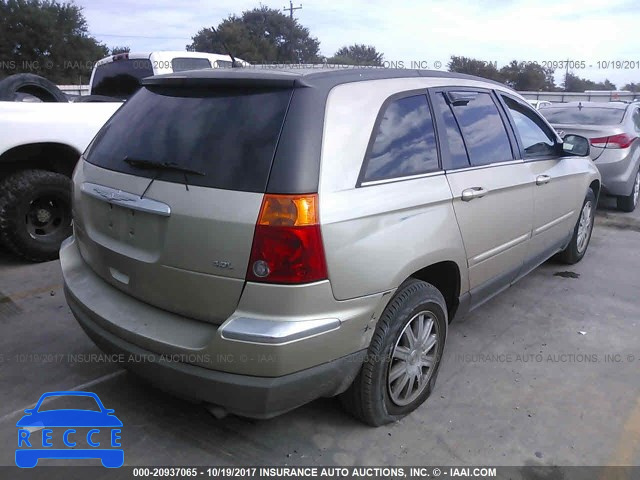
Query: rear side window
(227, 134)
(583, 115)
(457, 152)
(182, 64)
(120, 78)
(536, 139)
(482, 128)
(405, 142)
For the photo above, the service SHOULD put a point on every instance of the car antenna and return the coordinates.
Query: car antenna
(226, 48)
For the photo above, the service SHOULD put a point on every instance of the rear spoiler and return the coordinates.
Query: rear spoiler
(229, 78)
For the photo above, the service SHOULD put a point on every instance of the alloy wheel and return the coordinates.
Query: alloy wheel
(413, 358)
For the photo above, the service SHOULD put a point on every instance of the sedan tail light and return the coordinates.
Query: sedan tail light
(287, 243)
(622, 140)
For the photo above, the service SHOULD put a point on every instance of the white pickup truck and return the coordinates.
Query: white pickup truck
(41, 141)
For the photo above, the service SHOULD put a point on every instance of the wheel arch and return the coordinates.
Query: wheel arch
(49, 156)
(445, 276)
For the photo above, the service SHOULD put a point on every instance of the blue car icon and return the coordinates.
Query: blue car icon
(36, 433)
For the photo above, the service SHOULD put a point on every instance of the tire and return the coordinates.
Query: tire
(370, 398)
(630, 202)
(32, 84)
(578, 245)
(35, 213)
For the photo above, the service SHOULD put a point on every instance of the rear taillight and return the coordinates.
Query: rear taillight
(622, 140)
(287, 244)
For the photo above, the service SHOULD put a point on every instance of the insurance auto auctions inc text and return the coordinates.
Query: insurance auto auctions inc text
(376, 472)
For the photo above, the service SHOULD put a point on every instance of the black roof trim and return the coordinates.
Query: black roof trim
(221, 77)
(304, 76)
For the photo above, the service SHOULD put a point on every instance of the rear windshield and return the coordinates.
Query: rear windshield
(120, 78)
(583, 116)
(182, 64)
(229, 135)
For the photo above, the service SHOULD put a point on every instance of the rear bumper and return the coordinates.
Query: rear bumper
(252, 365)
(618, 169)
(257, 397)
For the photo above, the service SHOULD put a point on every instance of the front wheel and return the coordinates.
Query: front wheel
(581, 233)
(35, 213)
(402, 363)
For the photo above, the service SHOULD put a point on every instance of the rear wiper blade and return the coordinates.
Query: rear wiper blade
(160, 166)
(149, 164)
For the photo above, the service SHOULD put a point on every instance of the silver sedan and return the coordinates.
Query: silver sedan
(613, 129)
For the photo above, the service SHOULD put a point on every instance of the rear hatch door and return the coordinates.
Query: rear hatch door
(166, 201)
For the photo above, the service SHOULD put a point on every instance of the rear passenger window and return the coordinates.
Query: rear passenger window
(482, 128)
(536, 139)
(405, 143)
(457, 152)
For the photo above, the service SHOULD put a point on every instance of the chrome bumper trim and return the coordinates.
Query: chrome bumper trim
(275, 332)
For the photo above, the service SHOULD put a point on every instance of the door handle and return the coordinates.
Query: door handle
(542, 179)
(469, 194)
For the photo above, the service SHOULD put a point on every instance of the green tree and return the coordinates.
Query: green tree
(528, 76)
(117, 50)
(357, 54)
(472, 66)
(573, 83)
(47, 38)
(632, 87)
(261, 35)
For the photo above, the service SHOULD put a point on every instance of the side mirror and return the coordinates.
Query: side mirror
(576, 145)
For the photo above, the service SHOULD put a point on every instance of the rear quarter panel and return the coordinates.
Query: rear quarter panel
(376, 236)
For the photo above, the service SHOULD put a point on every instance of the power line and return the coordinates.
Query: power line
(291, 8)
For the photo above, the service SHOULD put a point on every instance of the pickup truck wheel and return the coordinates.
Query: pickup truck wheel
(629, 202)
(35, 213)
(32, 84)
(581, 233)
(402, 363)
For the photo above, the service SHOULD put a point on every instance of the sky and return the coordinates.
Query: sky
(427, 31)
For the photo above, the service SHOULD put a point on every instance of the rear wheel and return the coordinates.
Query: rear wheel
(35, 213)
(402, 363)
(630, 202)
(581, 233)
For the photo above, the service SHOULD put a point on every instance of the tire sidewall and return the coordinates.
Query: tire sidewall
(36, 85)
(574, 240)
(382, 360)
(17, 236)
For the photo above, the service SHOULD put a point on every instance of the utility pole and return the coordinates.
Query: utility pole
(291, 8)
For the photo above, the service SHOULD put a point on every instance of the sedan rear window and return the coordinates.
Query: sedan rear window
(583, 116)
(228, 135)
(181, 64)
(120, 78)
